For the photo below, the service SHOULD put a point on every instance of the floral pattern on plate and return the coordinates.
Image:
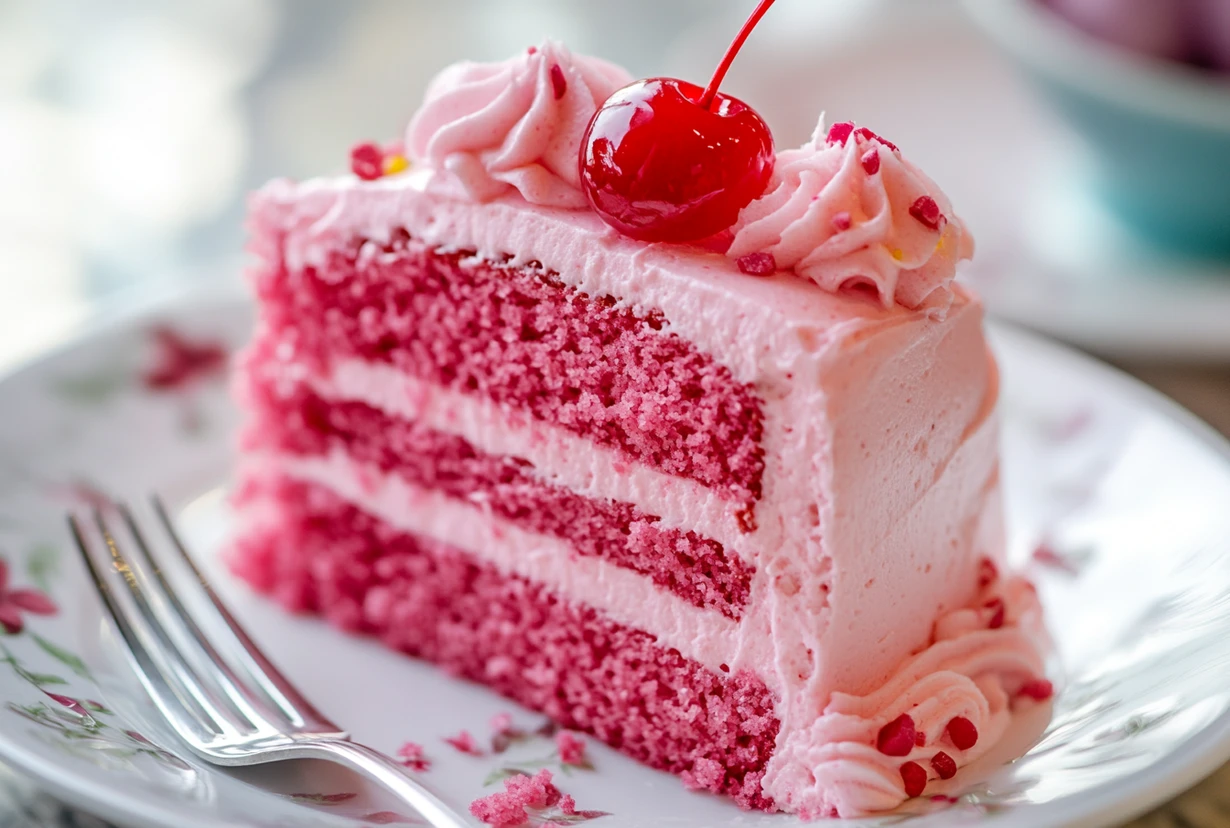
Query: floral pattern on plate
(1116, 507)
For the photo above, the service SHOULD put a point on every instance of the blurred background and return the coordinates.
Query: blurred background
(1085, 142)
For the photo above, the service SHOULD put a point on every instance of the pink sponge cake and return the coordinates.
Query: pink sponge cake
(732, 507)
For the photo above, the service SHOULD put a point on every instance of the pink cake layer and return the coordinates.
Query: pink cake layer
(878, 501)
(522, 337)
(300, 422)
(319, 553)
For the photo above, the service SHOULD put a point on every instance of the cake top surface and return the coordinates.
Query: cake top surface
(846, 212)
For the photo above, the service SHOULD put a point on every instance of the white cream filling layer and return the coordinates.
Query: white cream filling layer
(624, 596)
(559, 457)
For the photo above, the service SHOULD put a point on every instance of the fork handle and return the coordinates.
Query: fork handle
(390, 775)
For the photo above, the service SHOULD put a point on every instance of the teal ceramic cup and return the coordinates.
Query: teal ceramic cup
(1159, 134)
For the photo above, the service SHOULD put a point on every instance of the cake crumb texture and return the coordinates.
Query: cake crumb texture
(320, 554)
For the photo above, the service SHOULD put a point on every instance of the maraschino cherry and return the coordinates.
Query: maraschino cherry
(664, 160)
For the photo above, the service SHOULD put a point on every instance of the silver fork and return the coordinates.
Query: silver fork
(231, 713)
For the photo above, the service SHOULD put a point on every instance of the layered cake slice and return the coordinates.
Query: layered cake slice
(726, 498)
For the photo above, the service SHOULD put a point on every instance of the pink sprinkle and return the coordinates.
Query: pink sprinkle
(501, 722)
(988, 573)
(915, 779)
(1073, 426)
(996, 605)
(945, 766)
(558, 83)
(962, 733)
(180, 362)
(757, 264)
(1037, 689)
(897, 737)
(951, 800)
(464, 743)
(839, 133)
(571, 749)
(871, 161)
(928, 213)
(412, 756)
(1045, 555)
(367, 161)
(533, 50)
(841, 222)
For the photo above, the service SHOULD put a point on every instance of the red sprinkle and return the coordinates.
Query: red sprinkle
(533, 50)
(945, 766)
(920, 739)
(928, 213)
(988, 572)
(367, 161)
(871, 161)
(962, 733)
(840, 133)
(841, 222)
(558, 83)
(915, 779)
(757, 264)
(864, 134)
(996, 605)
(412, 756)
(897, 737)
(1037, 689)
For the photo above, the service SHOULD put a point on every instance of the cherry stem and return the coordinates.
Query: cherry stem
(720, 75)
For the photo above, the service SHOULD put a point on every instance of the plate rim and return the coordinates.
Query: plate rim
(1103, 804)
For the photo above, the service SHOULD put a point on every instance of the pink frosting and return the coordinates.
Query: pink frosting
(488, 128)
(875, 514)
(842, 215)
(969, 671)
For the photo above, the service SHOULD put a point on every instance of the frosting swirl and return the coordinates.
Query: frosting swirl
(489, 128)
(833, 767)
(848, 212)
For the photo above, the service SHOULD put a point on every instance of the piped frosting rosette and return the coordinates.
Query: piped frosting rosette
(848, 212)
(983, 661)
(490, 128)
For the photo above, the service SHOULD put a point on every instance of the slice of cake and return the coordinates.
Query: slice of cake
(731, 506)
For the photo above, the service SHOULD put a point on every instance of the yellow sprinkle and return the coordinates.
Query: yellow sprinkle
(394, 164)
(939, 245)
(897, 254)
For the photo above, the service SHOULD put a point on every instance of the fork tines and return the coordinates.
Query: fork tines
(214, 703)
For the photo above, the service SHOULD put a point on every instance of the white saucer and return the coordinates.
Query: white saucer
(1129, 492)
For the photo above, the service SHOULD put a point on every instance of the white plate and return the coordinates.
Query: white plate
(1048, 256)
(1129, 492)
